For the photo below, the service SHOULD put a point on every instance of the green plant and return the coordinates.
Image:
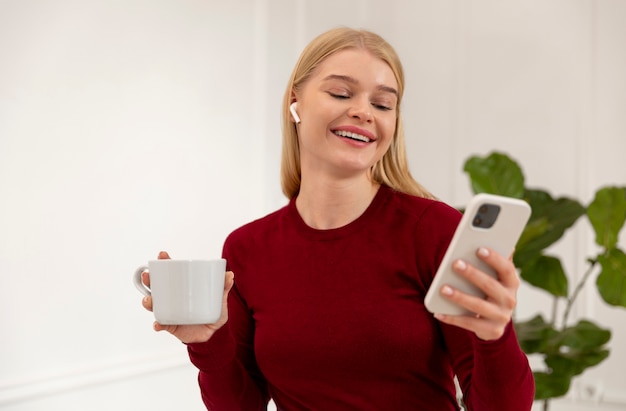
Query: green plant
(567, 349)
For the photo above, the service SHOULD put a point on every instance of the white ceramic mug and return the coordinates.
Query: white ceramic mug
(184, 291)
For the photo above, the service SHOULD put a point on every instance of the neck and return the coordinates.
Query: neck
(332, 204)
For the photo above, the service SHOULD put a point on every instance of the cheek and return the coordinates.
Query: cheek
(386, 144)
(310, 136)
(388, 130)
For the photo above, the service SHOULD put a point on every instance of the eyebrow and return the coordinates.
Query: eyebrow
(352, 80)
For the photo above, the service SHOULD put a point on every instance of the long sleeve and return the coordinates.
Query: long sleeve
(493, 373)
(228, 375)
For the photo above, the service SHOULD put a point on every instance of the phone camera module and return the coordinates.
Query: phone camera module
(486, 215)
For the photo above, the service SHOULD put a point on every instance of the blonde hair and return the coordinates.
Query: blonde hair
(392, 169)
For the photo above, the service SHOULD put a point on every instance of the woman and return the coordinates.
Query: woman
(327, 312)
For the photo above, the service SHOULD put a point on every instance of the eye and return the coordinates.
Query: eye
(340, 96)
(383, 101)
(382, 106)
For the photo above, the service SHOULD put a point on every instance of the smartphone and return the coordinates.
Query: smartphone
(489, 220)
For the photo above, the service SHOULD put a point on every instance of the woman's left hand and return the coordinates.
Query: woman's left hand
(493, 313)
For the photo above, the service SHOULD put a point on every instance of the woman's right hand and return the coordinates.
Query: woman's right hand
(195, 333)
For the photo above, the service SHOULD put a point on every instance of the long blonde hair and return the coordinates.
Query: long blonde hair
(392, 169)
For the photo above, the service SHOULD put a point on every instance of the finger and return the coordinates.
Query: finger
(507, 274)
(228, 285)
(490, 286)
(163, 255)
(147, 303)
(480, 306)
(495, 293)
(145, 278)
(160, 327)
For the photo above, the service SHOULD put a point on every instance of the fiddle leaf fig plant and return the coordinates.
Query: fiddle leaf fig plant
(567, 348)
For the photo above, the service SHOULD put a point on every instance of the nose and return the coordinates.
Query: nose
(361, 110)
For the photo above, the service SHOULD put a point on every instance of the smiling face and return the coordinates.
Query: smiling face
(348, 110)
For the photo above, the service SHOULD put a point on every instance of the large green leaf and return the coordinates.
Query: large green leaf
(495, 174)
(551, 385)
(574, 362)
(547, 273)
(577, 348)
(607, 213)
(534, 335)
(566, 354)
(549, 219)
(611, 281)
(584, 336)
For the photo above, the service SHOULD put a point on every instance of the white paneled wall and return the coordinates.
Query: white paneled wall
(127, 127)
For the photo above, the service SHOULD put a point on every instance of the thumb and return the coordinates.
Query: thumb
(230, 281)
(163, 255)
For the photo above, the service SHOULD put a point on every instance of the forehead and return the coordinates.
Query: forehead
(359, 64)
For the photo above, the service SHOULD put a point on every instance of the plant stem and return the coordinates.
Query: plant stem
(555, 302)
(577, 290)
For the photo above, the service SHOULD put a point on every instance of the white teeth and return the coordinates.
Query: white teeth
(353, 136)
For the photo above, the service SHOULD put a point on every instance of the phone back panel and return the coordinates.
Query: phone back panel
(501, 237)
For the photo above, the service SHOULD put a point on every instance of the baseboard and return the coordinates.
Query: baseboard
(15, 391)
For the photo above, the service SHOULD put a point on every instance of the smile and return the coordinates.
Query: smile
(353, 136)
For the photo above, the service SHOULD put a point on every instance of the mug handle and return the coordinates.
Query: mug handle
(137, 281)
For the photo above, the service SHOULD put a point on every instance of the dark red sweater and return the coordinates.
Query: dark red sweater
(335, 320)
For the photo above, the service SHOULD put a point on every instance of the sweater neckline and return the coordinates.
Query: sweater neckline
(303, 228)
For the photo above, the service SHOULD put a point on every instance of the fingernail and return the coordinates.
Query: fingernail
(446, 290)
(483, 252)
(145, 299)
(460, 264)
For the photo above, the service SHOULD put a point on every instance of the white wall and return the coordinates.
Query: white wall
(127, 127)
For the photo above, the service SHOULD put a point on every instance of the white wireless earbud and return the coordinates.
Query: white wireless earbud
(292, 109)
